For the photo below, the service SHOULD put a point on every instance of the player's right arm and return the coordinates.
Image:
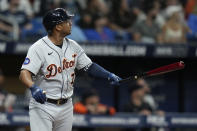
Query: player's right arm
(26, 78)
(32, 65)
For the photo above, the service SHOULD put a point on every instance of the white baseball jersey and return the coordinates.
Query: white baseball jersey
(54, 67)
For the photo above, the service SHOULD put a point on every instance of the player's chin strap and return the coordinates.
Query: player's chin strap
(99, 72)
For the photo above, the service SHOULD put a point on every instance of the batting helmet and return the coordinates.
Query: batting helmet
(55, 17)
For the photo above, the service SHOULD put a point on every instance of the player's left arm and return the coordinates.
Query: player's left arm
(97, 71)
(93, 69)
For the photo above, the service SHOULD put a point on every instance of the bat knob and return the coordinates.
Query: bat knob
(181, 64)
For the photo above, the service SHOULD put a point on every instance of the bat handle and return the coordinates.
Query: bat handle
(135, 77)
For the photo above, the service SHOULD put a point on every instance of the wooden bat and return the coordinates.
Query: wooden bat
(158, 71)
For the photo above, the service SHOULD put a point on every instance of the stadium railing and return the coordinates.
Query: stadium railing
(121, 120)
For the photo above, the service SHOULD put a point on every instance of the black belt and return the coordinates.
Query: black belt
(57, 102)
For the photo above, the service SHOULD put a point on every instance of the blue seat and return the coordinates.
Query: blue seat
(36, 30)
(107, 34)
(192, 23)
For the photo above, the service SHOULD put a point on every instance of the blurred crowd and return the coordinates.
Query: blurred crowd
(6, 99)
(141, 21)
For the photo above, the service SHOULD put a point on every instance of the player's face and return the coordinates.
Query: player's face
(67, 27)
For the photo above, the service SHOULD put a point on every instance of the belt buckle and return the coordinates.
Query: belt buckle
(58, 102)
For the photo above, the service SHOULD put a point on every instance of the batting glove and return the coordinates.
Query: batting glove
(38, 94)
(114, 79)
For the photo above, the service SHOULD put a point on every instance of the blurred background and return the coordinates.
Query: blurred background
(125, 37)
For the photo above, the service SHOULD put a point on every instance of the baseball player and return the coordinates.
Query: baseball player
(49, 72)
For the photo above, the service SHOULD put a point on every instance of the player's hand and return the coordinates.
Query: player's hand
(114, 79)
(38, 94)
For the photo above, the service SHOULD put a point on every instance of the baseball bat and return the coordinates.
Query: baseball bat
(157, 71)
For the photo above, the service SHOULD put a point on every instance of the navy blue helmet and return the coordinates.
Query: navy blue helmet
(55, 17)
